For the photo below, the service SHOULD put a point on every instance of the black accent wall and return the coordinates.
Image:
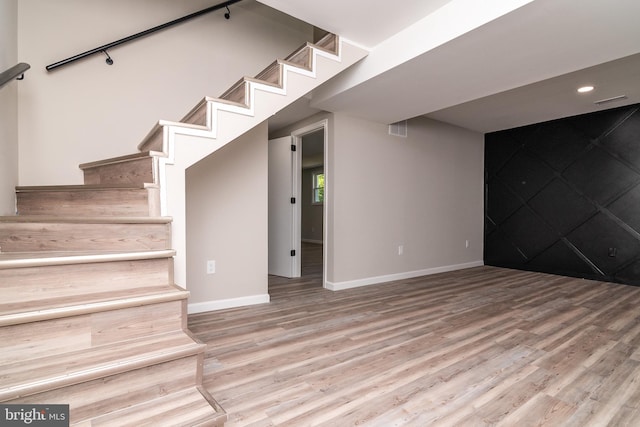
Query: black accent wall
(563, 196)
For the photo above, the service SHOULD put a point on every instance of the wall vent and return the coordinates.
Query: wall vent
(608, 100)
(398, 129)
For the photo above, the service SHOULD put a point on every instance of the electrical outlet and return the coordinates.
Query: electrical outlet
(211, 267)
(466, 243)
(400, 250)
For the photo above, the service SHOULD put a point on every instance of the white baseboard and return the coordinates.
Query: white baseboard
(399, 276)
(319, 242)
(201, 307)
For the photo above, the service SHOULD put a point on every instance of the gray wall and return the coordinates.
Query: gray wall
(424, 192)
(88, 110)
(8, 107)
(227, 210)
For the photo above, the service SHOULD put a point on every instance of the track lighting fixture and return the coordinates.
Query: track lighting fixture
(227, 14)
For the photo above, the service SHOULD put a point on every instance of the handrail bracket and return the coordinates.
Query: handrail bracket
(14, 73)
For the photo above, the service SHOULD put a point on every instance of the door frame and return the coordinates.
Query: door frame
(296, 140)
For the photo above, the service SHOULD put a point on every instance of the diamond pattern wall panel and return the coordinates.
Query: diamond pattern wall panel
(605, 243)
(600, 176)
(561, 258)
(563, 196)
(576, 209)
(525, 175)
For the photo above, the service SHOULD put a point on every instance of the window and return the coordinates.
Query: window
(318, 188)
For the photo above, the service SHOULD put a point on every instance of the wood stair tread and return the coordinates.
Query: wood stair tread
(133, 169)
(86, 219)
(261, 81)
(236, 93)
(272, 74)
(197, 115)
(189, 408)
(186, 125)
(122, 159)
(230, 102)
(264, 78)
(33, 259)
(328, 43)
(301, 57)
(82, 187)
(29, 377)
(64, 306)
(293, 64)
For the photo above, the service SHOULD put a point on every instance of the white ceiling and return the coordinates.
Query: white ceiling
(550, 99)
(519, 66)
(366, 22)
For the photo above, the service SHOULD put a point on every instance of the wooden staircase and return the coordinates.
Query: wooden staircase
(90, 315)
(214, 122)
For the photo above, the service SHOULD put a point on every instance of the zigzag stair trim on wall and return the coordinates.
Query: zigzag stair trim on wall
(213, 105)
(214, 122)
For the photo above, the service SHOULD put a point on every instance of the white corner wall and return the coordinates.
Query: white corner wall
(8, 107)
(227, 209)
(424, 193)
(88, 110)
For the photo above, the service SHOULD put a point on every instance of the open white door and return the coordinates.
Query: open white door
(282, 261)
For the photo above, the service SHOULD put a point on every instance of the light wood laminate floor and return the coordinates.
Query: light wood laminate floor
(483, 346)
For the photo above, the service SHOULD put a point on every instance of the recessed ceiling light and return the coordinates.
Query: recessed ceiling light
(585, 89)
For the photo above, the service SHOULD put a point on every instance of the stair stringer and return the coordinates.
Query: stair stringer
(185, 144)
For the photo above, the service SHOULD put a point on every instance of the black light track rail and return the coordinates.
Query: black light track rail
(104, 48)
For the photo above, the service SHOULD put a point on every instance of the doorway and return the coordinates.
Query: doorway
(297, 228)
(312, 199)
(311, 227)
